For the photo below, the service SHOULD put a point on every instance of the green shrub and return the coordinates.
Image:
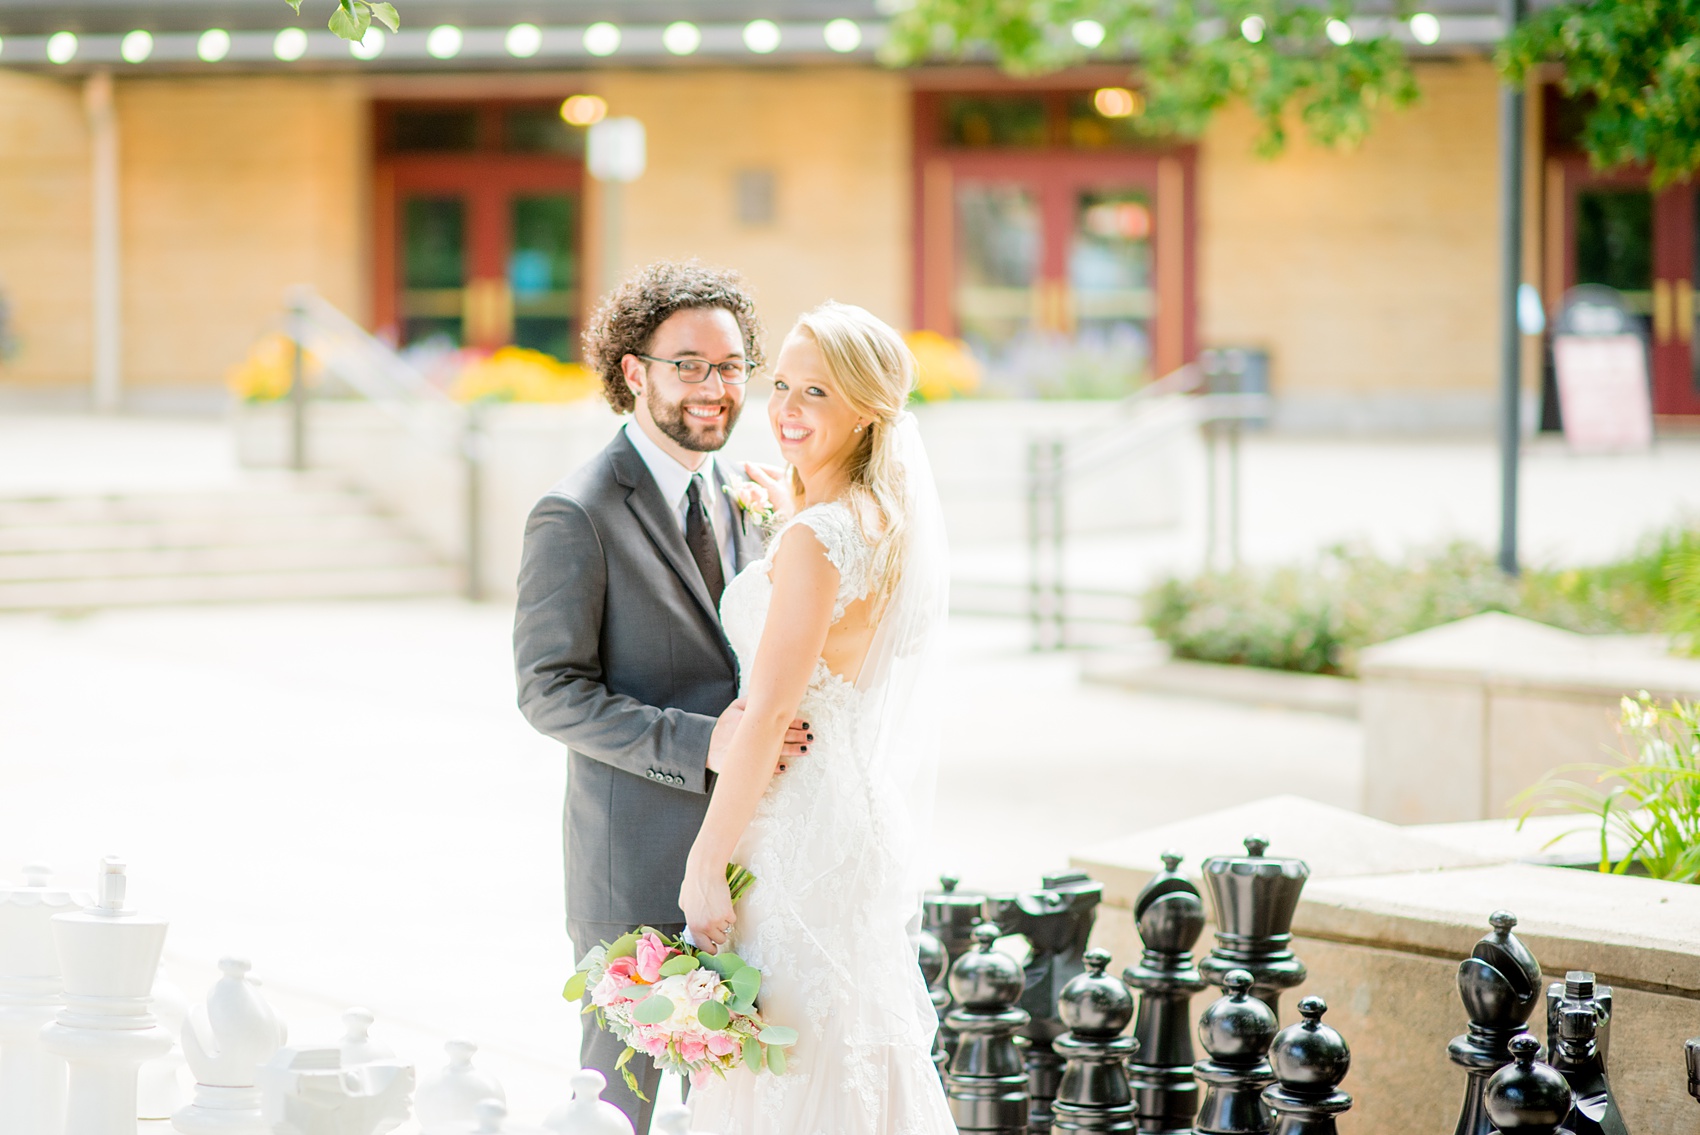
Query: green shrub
(1316, 618)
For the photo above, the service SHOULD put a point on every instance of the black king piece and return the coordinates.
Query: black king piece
(1499, 983)
(1170, 915)
(1056, 920)
(1254, 896)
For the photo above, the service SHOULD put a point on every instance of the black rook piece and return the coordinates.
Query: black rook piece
(987, 1084)
(1499, 983)
(1093, 1094)
(1578, 988)
(1593, 1109)
(1057, 921)
(1310, 1060)
(930, 953)
(1170, 915)
(1255, 897)
(1691, 1053)
(1526, 1097)
(1235, 1031)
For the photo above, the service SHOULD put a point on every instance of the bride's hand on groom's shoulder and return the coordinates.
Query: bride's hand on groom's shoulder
(778, 486)
(798, 738)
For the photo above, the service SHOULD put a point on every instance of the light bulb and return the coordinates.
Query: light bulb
(1087, 33)
(1252, 29)
(1339, 32)
(444, 42)
(602, 39)
(62, 47)
(761, 36)
(523, 40)
(213, 45)
(289, 44)
(1425, 28)
(843, 35)
(681, 37)
(368, 46)
(136, 46)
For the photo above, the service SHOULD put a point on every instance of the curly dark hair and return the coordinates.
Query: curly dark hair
(626, 320)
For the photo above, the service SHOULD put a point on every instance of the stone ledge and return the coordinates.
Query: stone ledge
(1251, 685)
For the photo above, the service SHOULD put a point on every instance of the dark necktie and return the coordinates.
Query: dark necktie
(699, 537)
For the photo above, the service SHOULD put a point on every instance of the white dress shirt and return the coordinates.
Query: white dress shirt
(674, 481)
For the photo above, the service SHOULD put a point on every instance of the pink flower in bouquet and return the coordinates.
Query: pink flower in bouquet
(692, 1048)
(701, 985)
(722, 1044)
(651, 953)
(620, 975)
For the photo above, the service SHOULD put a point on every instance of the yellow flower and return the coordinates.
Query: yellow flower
(518, 374)
(265, 375)
(947, 368)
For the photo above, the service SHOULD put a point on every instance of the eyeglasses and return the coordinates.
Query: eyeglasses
(733, 372)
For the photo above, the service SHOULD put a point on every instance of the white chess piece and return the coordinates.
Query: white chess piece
(109, 955)
(358, 1047)
(452, 1096)
(161, 1083)
(32, 1081)
(588, 1113)
(675, 1120)
(310, 1090)
(491, 1119)
(225, 1042)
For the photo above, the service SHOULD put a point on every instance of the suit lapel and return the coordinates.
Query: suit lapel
(652, 512)
(746, 533)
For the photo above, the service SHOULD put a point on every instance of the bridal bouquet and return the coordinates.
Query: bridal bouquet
(692, 1012)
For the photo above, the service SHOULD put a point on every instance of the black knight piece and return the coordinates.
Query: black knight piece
(1499, 983)
(1310, 1059)
(1056, 921)
(1526, 1097)
(1254, 897)
(986, 1087)
(1593, 1109)
(929, 951)
(1170, 915)
(1579, 988)
(1093, 1094)
(1235, 1032)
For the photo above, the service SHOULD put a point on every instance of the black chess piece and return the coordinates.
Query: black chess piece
(1499, 983)
(1593, 1108)
(1056, 921)
(949, 915)
(1579, 988)
(1235, 1032)
(1310, 1059)
(1526, 1097)
(930, 953)
(1093, 1094)
(1691, 1055)
(1170, 915)
(1254, 897)
(986, 1087)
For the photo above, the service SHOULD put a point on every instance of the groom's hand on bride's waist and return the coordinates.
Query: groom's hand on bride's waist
(798, 738)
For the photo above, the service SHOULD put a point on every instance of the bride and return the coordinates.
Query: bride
(839, 625)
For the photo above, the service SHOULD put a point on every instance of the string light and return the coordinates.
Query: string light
(136, 46)
(681, 37)
(444, 42)
(843, 35)
(523, 41)
(62, 47)
(1087, 33)
(761, 36)
(213, 45)
(289, 44)
(368, 46)
(602, 39)
(1425, 28)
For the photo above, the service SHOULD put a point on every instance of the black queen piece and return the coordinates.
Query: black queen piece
(1254, 896)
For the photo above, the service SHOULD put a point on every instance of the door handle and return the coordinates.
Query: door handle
(1684, 311)
(1663, 316)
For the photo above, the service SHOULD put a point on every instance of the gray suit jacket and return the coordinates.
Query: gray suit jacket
(620, 656)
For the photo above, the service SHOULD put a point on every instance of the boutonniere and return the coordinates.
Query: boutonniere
(753, 503)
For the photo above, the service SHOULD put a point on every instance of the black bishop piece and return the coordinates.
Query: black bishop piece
(1499, 983)
(1170, 915)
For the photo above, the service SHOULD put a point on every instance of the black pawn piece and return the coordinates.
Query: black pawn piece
(1577, 1058)
(1254, 896)
(1310, 1060)
(1236, 1032)
(1093, 1094)
(1691, 1053)
(1526, 1097)
(949, 915)
(986, 1087)
(1170, 915)
(934, 961)
(1579, 988)
(1499, 983)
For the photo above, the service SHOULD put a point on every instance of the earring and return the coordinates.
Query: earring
(858, 429)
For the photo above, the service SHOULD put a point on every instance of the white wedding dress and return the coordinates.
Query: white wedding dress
(826, 921)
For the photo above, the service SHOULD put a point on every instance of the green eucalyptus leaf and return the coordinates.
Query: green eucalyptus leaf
(575, 986)
(782, 1035)
(752, 1054)
(746, 983)
(386, 14)
(684, 963)
(776, 1060)
(725, 964)
(713, 1015)
(625, 946)
(653, 1010)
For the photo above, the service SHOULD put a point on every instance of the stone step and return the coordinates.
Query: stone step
(391, 550)
(251, 587)
(310, 499)
(268, 529)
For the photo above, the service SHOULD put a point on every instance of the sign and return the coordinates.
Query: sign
(616, 150)
(1600, 356)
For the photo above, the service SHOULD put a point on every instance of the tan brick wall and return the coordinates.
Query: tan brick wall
(1366, 270)
(837, 141)
(44, 228)
(233, 189)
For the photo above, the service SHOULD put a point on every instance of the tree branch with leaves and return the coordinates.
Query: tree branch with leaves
(351, 18)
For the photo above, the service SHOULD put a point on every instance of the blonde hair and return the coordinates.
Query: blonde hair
(875, 371)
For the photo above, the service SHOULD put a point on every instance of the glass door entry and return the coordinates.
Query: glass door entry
(1615, 230)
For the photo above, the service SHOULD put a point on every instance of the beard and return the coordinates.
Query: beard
(692, 433)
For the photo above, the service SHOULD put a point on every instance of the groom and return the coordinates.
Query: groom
(618, 647)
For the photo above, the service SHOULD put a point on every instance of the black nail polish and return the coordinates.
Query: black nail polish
(806, 725)
(810, 737)
(805, 748)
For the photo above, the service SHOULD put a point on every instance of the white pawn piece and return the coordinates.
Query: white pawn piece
(452, 1096)
(587, 1113)
(32, 1081)
(490, 1119)
(225, 1042)
(675, 1120)
(162, 1083)
(109, 955)
(358, 1047)
(308, 1090)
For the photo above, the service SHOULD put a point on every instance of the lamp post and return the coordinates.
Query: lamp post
(615, 153)
(1511, 269)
